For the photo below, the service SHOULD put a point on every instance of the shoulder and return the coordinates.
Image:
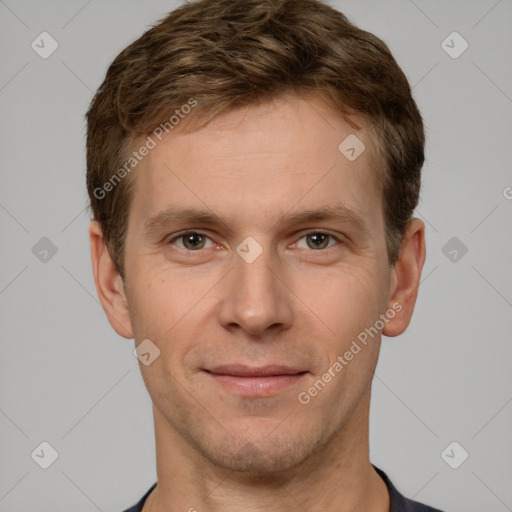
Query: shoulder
(140, 504)
(400, 503)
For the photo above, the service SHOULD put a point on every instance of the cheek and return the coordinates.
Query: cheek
(346, 301)
(154, 307)
(174, 315)
(350, 306)
(161, 302)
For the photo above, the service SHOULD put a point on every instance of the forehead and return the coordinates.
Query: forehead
(288, 152)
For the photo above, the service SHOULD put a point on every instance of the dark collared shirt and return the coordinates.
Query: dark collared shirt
(398, 502)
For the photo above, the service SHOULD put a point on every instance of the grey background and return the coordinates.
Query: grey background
(67, 378)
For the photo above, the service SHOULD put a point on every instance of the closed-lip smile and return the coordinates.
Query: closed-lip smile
(255, 381)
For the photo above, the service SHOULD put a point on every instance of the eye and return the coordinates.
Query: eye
(194, 241)
(317, 240)
(191, 241)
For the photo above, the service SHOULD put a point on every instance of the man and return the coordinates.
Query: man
(253, 167)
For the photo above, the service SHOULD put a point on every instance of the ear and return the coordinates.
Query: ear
(405, 278)
(109, 285)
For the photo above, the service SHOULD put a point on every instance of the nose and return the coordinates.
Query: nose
(255, 296)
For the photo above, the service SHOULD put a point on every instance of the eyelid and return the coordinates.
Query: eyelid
(176, 236)
(181, 234)
(320, 231)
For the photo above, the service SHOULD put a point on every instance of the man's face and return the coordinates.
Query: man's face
(254, 305)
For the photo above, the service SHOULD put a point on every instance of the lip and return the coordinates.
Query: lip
(256, 381)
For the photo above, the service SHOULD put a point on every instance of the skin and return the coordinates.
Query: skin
(294, 305)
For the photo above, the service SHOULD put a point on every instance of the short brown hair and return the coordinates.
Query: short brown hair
(229, 53)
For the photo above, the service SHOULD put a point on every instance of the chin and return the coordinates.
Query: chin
(258, 455)
(261, 443)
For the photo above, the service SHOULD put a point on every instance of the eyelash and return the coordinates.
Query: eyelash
(312, 232)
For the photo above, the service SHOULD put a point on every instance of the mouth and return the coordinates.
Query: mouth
(255, 381)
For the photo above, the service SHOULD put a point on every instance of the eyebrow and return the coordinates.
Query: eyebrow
(176, 215)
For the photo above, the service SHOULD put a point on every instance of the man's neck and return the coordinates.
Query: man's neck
(339, 478)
